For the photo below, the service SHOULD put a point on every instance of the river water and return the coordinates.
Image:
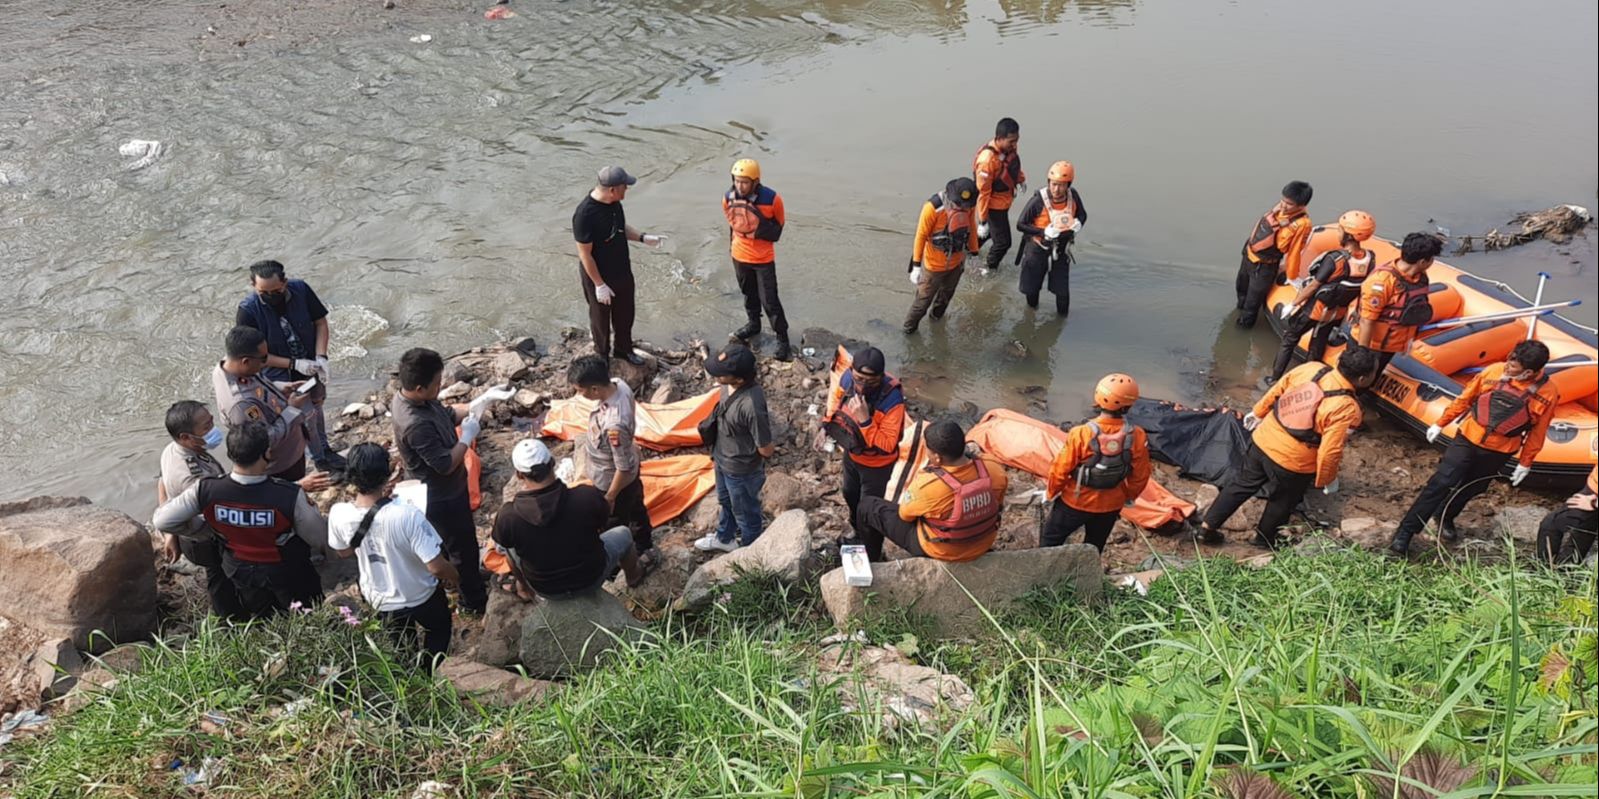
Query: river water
(426, 190)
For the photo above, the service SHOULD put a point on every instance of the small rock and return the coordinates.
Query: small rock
(458, 371)
(527, 346)
(526, 398)
(808, 383)
(388, 4)
(456, 391)
(510, 367)
(489, 685)
(880, 678)
(56, 665)
(784, 492)
(430, 789)
(1139, 581)
(707, 513)
(362, 410)
(784, 550)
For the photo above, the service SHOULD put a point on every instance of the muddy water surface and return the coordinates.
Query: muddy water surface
(426, 189)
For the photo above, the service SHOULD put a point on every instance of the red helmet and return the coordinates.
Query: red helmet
(1116, 392)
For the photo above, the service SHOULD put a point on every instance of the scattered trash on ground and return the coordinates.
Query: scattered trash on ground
(26, 722)
(421, 38)
(146, 151)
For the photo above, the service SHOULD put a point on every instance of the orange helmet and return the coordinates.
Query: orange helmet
(1062, 171)
(1116, 392)
(1358, 224)
(747, 168)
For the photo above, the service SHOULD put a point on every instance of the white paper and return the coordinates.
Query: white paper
(413, 493)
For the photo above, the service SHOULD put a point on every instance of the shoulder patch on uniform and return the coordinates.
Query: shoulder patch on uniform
(614, 436)
(252, 413)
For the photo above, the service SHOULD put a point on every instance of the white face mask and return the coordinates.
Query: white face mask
(213, 439)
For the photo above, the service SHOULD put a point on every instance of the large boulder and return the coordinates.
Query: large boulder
(488, 685)
(939, 590)
(499, 644)
(560, 637)
(71, 569)
(784, 550)
(1520, 521)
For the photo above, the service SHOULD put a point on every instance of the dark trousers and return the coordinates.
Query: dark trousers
(758, 282)
(293, 472)
(1039, 271)
(1566, 535)
(1064, 520)
(859, 480)
(452, 518)
(266, 589)
(998, 237)
(1253, 282)
(1464, 472)
(618, 316)
(1296, 326)
(1254, 473)
(879, 521)
(631, 511)
(935, 291)
(207, 554)
(433, 616)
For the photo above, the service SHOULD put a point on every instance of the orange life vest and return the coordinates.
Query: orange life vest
(1010, 168)
(1262, 241)
(742, 216)
(1060, 216)
(1506, 410)
(1343, 288)
(976, 510)
(956, 233)
(1409, 307)
(1112, 460)
(1296, 408)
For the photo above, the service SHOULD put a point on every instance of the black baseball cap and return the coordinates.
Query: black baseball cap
(869, 361)
(735, 360)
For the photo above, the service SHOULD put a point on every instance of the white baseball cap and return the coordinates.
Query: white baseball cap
(529, 453)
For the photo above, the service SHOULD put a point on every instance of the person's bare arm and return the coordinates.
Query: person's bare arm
(585, 254)
(324, 336)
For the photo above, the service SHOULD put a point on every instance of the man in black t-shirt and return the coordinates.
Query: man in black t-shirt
(602, 233)
(553, 533)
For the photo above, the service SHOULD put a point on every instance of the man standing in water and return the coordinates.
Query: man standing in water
(602, 233)
(944, 237)
(1278, 239)
(755, 222)
(1051, 220)
(295, 323)
(997, 169)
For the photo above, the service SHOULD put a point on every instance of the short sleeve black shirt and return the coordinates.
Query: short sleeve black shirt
(604, 226)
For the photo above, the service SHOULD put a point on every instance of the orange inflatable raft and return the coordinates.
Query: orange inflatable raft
(1417, 387)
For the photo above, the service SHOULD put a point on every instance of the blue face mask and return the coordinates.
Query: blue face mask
(213, 439)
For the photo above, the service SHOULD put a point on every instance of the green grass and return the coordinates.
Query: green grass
(1325, 676)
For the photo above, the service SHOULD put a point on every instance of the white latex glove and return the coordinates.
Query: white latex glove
(652, 239)
(982, 230)
(1051, 233)
(305, 366)
(1021, 189)
(1433, 433)
(1251, 421)
(1332, 488)
(916, 276)
(322, 369)
(1074, 225)
(1519, 473)
(604, 294)
(470, 427)
(1290, 310)
(496, 394)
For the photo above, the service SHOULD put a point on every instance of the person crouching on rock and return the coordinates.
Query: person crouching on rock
(404, 570)
(950, 512)
(553, 536)
(1103, 465)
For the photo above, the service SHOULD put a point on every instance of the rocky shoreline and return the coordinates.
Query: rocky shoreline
(1383, 469)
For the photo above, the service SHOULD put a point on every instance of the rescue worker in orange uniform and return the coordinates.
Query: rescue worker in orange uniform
(1275, 243)
(1050, 220)
(755, 222)
(1566, 535)
(950, 512)
(865, 416)
(1103, 465)
(1332, 286)
(944, 237)
(1507, 409)
(997, 169)
(1394, 299)
(1299, 428)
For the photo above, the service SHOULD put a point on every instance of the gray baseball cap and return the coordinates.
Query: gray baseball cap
(616, 176)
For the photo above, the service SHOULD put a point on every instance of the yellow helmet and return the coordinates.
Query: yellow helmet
(747, 168)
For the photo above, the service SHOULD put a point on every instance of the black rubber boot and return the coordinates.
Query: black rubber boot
(784, 352)
(1400, 546)
(750, 330)
(1448, 532)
